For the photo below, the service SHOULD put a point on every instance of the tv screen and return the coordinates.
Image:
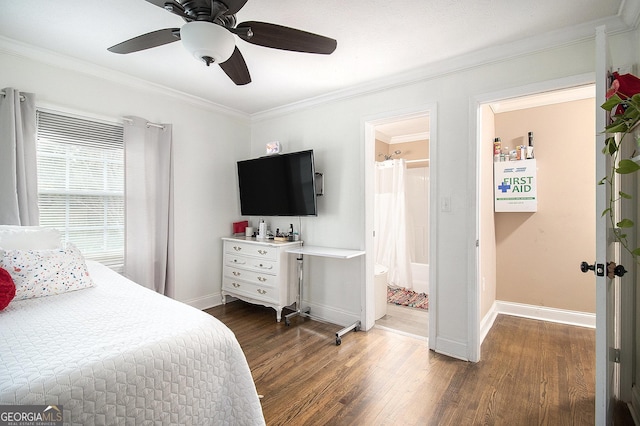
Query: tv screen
(278, 185)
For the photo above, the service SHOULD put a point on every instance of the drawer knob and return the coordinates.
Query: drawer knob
(236, 248)
(237, 261)
(236, 273)
(236, 285)
(261, 291)
(262, 279)
(262, 251)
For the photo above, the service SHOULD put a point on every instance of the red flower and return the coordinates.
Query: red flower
(615, 86)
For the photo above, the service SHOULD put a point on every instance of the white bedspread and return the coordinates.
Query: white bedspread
(118, 353)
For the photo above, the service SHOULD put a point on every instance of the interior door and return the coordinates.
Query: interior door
(606, 378)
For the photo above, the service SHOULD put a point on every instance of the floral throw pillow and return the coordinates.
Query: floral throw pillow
(38, 273)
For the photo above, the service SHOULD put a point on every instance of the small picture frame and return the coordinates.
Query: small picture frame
(273, 148)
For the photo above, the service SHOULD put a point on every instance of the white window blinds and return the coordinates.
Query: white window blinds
(81, 184)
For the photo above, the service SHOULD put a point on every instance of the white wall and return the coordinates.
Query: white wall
(206, 144)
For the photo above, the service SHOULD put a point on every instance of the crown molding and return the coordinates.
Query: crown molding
(494, 54)
(410, 138)
(23, 50)
(630, 13)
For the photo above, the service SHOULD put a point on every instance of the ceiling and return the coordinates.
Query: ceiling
(404, 130)
(380, 43)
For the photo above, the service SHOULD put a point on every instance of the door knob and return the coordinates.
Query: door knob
(614, 270)
(585, 267)
(597, 268)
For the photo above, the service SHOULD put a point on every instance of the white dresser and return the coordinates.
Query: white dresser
(260, 272)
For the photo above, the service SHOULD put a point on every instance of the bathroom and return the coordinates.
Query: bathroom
(401, 223)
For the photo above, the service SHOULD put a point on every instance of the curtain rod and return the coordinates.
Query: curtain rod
(22, 98)
(149, 124)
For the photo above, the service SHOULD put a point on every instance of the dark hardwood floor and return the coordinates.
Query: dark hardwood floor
(532, 373)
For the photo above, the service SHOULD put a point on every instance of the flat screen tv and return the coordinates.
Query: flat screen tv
(278, 185)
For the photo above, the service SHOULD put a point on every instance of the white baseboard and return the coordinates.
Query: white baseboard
(543, 313)
(452, 348)
(331, 315)
(487, 322)
(205, 302)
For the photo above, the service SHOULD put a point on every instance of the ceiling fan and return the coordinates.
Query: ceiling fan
(208, 35)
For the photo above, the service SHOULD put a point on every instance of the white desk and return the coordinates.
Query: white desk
(336, 253)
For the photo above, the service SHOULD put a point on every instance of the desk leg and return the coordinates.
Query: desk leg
(299, 310)
(306, 312)
(355, 327)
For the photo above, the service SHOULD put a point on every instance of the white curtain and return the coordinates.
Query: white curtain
(148, 205)
(18, 161)
(390, 222)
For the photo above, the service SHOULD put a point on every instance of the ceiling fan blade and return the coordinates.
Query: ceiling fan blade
(147, 41)
(285, 38)
(233, 6)
(236, 68)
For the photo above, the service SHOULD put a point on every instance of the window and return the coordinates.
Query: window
(81, 184)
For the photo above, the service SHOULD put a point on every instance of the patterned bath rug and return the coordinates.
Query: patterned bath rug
(404, 297)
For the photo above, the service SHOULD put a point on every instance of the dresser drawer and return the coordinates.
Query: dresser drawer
(259, 278)
(254, 250)
(253, 291)
(262, 265)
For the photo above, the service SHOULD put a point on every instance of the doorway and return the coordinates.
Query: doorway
(398, 170)
(521, 256)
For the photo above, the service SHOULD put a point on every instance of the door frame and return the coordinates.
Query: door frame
(475, 110)
(368, 124)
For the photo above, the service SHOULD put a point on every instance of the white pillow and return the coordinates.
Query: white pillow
(29, 237)
(38, 273)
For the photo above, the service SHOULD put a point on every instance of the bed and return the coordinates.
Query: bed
(117, 353)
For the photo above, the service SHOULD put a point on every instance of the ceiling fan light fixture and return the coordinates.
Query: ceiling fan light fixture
(206, 41)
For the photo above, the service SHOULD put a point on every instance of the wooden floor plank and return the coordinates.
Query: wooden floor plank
(531, 373)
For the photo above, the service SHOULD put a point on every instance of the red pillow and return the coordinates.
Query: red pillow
(7, 288)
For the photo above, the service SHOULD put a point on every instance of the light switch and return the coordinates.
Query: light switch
(445, 204)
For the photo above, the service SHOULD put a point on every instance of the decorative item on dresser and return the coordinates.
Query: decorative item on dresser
(259, 272)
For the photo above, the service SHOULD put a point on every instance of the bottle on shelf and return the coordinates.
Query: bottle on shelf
(506, 154)
(530, 147)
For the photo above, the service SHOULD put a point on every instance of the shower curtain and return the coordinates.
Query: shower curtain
(390, 222)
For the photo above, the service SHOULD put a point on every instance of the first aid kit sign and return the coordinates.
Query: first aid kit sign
(515, 186)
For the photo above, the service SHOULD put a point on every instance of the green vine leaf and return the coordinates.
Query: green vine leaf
(606, 211)
(611, 102)
(610, 146)
(624, 195)
(625, 223)
(636, 252)
(618, 126)
(627, 166)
